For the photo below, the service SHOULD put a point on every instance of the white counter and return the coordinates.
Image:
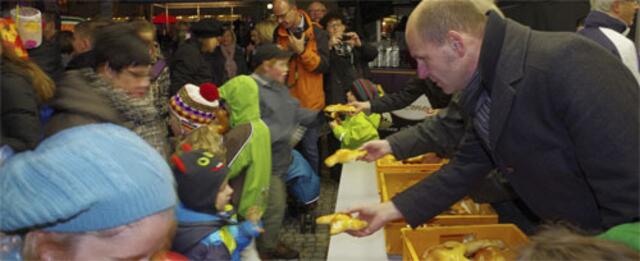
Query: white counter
(357, 186)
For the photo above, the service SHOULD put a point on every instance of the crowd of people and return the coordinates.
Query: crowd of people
(118, 143)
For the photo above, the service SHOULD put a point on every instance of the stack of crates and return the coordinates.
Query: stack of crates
(394, 177)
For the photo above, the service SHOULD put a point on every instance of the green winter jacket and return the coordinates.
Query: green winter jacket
(357, 130)
(240, 96)
(628, 234)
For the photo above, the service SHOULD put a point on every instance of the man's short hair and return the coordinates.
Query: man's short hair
(119, 46)
(89, 28)
(291, 3)
(562, 243)
(602, 5)
(437, 17)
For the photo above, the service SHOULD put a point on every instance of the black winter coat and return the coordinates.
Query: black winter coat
(415, 88)
(188, 65)
(20, 113)
(344, 70)
(565, 134)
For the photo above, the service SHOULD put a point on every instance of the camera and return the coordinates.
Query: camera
(345, 37)
(343, 49)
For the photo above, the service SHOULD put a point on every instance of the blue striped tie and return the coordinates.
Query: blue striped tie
(481, 119)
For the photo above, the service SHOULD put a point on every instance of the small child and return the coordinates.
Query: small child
(207, 226)
(357, 129)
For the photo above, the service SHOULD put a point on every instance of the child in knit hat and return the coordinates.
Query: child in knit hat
(357, 129)
(94, 192)
(194, 106)
(207, 226)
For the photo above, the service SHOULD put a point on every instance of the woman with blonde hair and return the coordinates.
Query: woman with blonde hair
(24, 90)
(261, 34)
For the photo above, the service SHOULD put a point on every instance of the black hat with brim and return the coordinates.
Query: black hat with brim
(267, 52)
(207, 28)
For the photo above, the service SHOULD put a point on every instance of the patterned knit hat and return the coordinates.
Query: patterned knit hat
(87, 178)
(365, 90)
(194, 106)
(199, 174)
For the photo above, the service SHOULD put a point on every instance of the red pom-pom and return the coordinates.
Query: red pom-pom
(186, 147)
(209, 91)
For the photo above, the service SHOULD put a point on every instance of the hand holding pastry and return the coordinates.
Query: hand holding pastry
(344, 156)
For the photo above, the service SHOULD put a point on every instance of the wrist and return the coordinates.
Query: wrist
(390, 211)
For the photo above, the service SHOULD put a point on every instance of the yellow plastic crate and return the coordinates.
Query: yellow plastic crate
(389, 164)
(394, 183)
(416, 242)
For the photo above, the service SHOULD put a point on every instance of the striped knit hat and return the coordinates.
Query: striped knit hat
(194, 105)
(365, 90)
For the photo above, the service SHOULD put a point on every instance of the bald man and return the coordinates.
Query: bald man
(552, 111)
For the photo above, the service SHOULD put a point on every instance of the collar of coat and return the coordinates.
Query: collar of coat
(494, 35)
(597, 19)
(308, 26)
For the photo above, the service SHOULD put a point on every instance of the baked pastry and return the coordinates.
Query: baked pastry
(475, 245)
(447, 251)
(429, 158)
(344, 156)
(489, 254)
(341, 222)
(339, 108)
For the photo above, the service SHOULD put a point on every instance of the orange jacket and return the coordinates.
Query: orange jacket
(306, 69)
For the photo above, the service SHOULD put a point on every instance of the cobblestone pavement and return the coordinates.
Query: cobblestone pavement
(313, 246)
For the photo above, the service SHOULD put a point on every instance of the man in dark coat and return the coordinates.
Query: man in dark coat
(83, 41)
(188, 64)
(557, 114)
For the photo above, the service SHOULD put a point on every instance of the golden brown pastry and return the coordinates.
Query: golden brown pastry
(340, 108)
(343, 156)
(341, 222)
(429, 158)
(489, 254)
(413, 160)
(474, 246)
(447, 251)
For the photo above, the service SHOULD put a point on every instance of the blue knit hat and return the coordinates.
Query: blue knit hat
(87, 178)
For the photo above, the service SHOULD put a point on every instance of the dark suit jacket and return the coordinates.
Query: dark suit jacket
(563, 129)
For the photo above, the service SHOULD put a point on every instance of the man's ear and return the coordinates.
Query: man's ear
(456, 42)
(86, 44)
(40, 245)
(615, 7)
